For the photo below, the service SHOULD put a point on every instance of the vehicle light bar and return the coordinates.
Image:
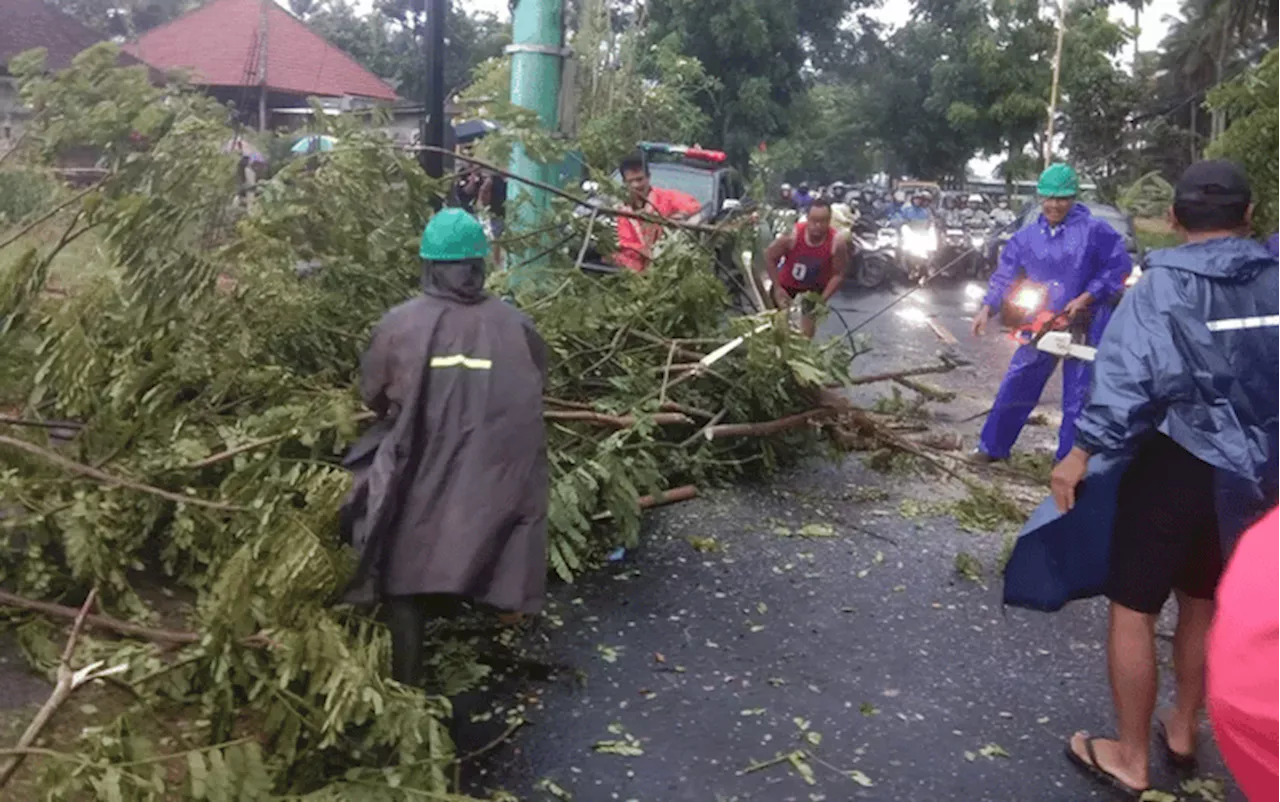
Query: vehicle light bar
(702, 154)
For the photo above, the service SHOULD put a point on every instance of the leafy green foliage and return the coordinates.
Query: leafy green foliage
(1253, 134)
(23, 193)
(199, 363)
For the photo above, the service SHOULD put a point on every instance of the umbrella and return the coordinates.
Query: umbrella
(313, 143)
(1060, 557)
(473, 129)
(1243, 647)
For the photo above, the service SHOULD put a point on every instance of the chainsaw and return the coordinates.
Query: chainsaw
(1052, 332)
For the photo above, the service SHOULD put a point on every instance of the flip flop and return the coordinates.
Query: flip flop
(1177, 760)
(1095, 771)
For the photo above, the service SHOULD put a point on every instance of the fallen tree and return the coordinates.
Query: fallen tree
(211, 393)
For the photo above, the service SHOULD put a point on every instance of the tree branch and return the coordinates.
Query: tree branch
(106, 478)
(614, 421)
(170, 636)
(67, 682)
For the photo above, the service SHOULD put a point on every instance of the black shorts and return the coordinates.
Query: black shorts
(1166, 529)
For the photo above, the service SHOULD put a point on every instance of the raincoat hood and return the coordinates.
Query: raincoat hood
(455, 281)
(1230, 258)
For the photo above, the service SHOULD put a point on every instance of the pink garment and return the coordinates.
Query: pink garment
(1244, 662)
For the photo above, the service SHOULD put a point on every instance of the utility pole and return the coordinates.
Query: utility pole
(1057, 72)
(262, 64)
(433, 120)
(537, 56)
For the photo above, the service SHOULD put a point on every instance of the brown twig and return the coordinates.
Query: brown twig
(557, 402)
(702, 433)
(765, 428)
(614, 421)
(495, 743)
(931, 393)
(681, 351)
(67, 682)
(693, 412)
(232, 452)
(40, 424)
(666, 375)
(106, 478)
(946, 366)
(672, 496)
(167, 636)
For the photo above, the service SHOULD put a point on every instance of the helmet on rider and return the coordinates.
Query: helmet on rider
(1003, 203)
(900, 196)
(922, 195)
(975, 199)
(804, 186)
(786, 187)
(838, 191)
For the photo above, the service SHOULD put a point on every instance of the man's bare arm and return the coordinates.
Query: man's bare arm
(841, 256)
(776, 250)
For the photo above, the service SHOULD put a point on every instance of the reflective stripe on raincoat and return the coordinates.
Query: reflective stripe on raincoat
(1083, 254)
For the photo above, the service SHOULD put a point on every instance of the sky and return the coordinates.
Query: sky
(896, 12)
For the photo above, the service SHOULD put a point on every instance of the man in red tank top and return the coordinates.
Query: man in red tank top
(812, 258)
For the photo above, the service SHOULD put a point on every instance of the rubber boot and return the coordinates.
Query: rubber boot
(406, 618)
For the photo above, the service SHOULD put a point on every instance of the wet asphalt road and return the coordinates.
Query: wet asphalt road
(865, 648)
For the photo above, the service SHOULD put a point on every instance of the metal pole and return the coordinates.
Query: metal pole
(433, 121)
(262, 65)
(1057, 72)
(537, 54)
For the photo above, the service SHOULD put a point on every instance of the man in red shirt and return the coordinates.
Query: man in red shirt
(812, 258)
(636, 237)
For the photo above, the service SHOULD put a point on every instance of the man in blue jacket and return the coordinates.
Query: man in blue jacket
(1081, 263)
(1186, 384)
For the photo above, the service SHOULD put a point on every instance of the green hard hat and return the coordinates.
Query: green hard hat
(1058, 181)
(452, 235)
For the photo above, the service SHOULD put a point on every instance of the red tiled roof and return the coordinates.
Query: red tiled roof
(218, 43)
(25, 24)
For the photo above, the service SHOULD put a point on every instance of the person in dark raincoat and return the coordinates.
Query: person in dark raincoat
(1186, 385)
(451, 488)
(1082, 264)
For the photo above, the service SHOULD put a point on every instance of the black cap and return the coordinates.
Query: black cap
(1215, 183)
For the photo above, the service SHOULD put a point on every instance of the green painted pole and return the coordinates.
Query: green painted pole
(537, 54)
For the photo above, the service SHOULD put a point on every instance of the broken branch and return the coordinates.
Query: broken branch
(614, 421)
(169, 636)
(945, 366)
(67, 682)
(106, 478)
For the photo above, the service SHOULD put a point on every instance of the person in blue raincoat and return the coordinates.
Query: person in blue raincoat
(1082, 264)
(1186, 388)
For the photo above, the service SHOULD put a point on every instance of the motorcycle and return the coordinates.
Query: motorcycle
(873, 257)
(917, 247)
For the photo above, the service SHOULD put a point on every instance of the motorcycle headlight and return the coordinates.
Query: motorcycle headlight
(918, 243)
(976, 241)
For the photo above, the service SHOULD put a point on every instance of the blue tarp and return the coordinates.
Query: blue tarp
(1062, 557)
